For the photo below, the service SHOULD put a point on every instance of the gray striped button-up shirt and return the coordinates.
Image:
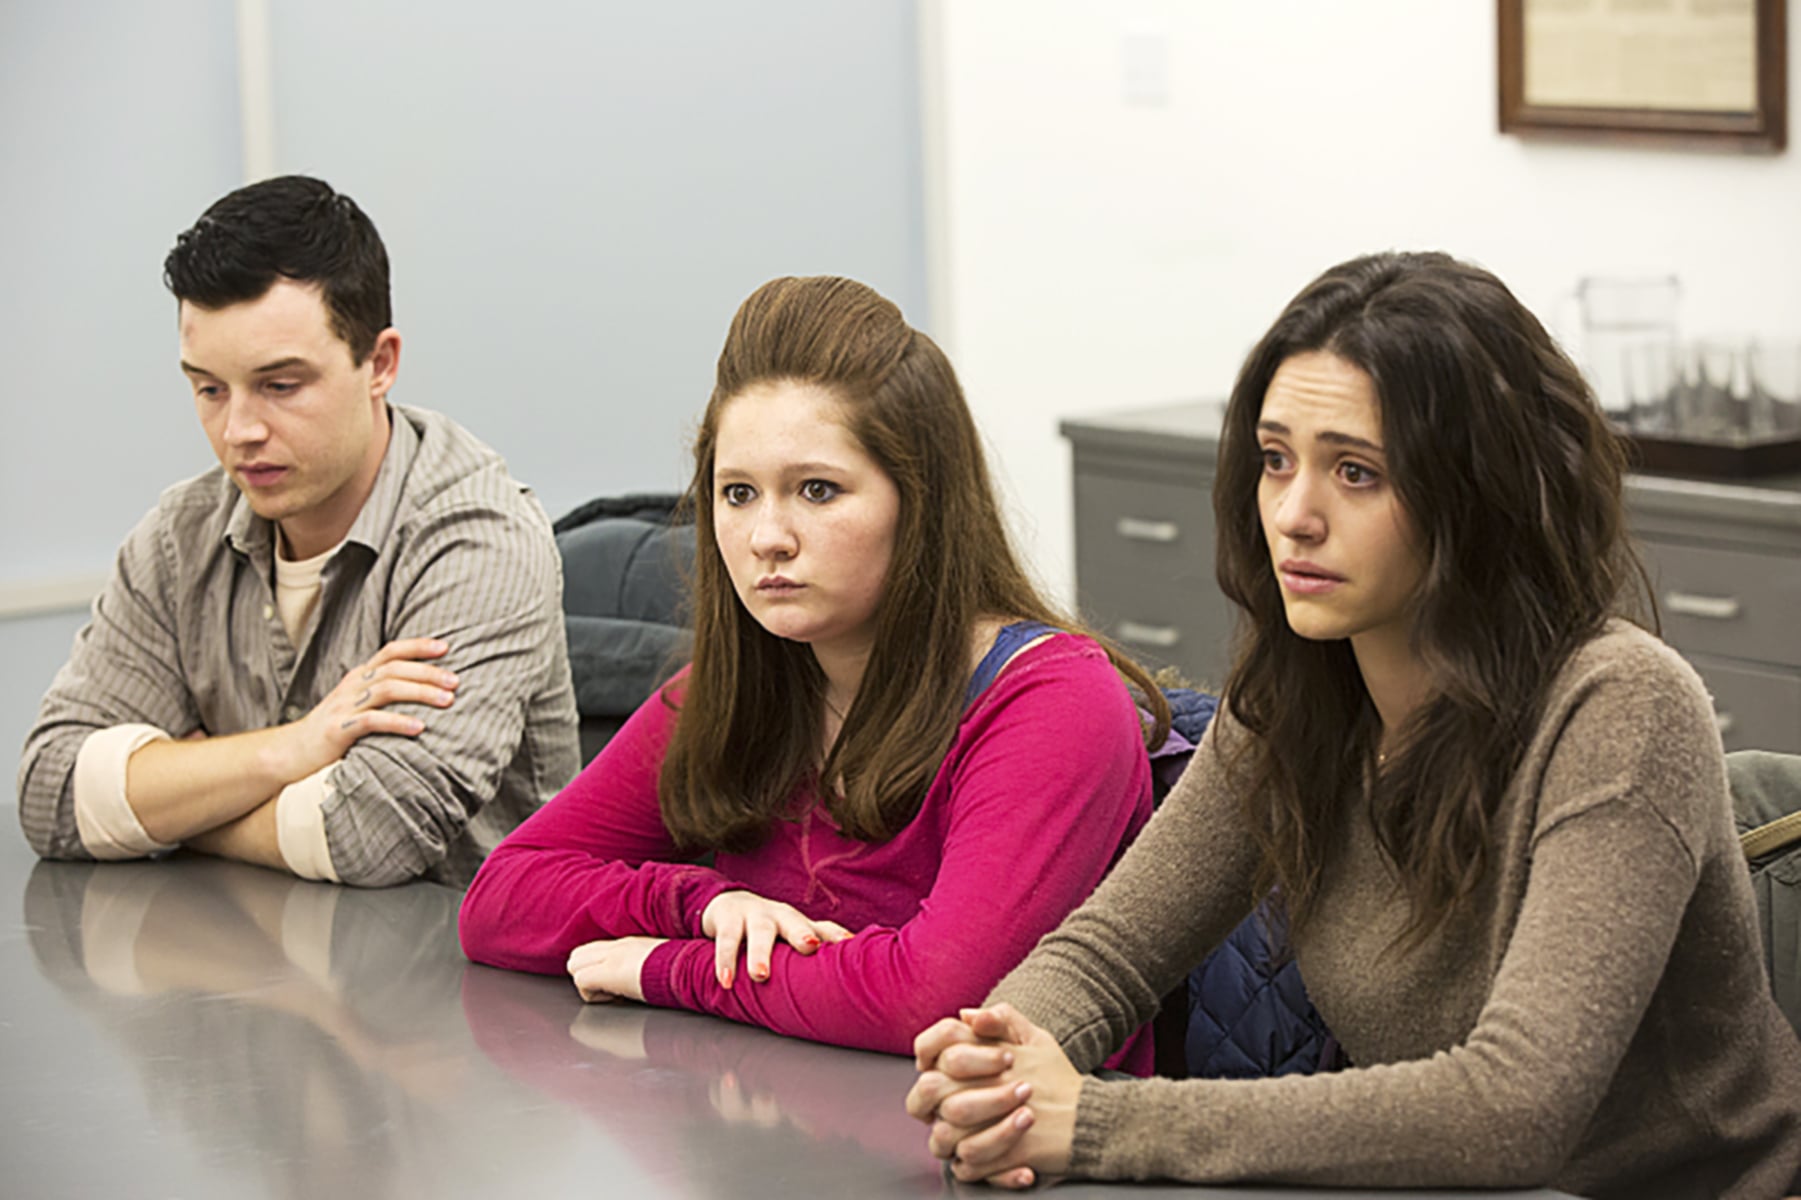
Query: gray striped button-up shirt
(186, 636)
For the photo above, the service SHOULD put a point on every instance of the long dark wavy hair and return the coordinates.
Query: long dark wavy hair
(748, 732)
(1511, 477)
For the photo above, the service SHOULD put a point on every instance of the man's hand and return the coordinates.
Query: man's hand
(182, 790)
(1001, 1098)
(739, 918)
(357, 706)
(610, 969)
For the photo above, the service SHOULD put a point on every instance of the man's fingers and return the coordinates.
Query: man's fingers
(376, 720)
(409, 648)
(418, 672)
(384, 692)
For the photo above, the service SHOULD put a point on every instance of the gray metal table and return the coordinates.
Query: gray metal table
(196, 1028)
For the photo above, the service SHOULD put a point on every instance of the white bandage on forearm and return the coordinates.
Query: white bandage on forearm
(104, 818)
(300, 825)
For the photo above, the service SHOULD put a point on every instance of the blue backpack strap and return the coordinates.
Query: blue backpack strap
(1190, 712)
(1006, 644)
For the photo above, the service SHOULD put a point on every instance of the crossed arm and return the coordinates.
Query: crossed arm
(219, 795)
(410, 793)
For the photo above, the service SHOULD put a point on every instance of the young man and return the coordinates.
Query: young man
(341, 652)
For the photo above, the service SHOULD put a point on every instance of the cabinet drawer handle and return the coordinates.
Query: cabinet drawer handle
(1141, 530)
(1161, 636)
(1713, 608)
(1723, 722)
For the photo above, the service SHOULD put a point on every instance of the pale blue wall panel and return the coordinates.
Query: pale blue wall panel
(118, 124)
(576, 196)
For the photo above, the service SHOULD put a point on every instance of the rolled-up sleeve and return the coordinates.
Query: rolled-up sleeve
(124, 670)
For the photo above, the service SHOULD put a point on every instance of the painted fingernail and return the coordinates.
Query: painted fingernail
(759, 973)
(810, 942)
(725, 979)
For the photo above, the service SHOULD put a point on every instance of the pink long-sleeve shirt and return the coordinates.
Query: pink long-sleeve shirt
(1044, 785)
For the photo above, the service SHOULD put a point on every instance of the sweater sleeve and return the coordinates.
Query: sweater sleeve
(596, 862)
(1047, 779)
(1610, 877)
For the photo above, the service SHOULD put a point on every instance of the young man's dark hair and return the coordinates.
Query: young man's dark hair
(295, 227)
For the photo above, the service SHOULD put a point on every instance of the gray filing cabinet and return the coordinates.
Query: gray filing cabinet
(1725, 560)
(1144, 535)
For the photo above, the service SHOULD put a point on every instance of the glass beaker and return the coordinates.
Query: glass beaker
(1715, 403)
(1619, 313)
(1775, 368)
(1651, 373)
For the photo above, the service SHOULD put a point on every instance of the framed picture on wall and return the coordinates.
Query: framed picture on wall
(1703, 72)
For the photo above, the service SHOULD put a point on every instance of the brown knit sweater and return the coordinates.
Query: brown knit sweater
(1598, 1020)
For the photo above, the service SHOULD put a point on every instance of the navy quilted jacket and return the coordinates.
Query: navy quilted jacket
(1248, 1011)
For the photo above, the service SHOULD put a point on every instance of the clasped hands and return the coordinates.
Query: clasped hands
(998, 1091)
(1000, 1096)
(612, 968)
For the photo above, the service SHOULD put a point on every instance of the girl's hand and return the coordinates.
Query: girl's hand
(611, 969)
(1002, 1106)
(744, 919)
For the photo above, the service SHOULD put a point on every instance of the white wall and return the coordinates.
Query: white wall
(1092, 255)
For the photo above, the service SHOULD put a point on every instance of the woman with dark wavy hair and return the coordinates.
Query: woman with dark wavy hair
(1494, 810)
(885, 730)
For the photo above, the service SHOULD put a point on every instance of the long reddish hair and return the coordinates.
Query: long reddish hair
(748, 732)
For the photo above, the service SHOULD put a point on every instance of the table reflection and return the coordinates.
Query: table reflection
(258, 1035)
(297, 1033)
(707, 1100)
